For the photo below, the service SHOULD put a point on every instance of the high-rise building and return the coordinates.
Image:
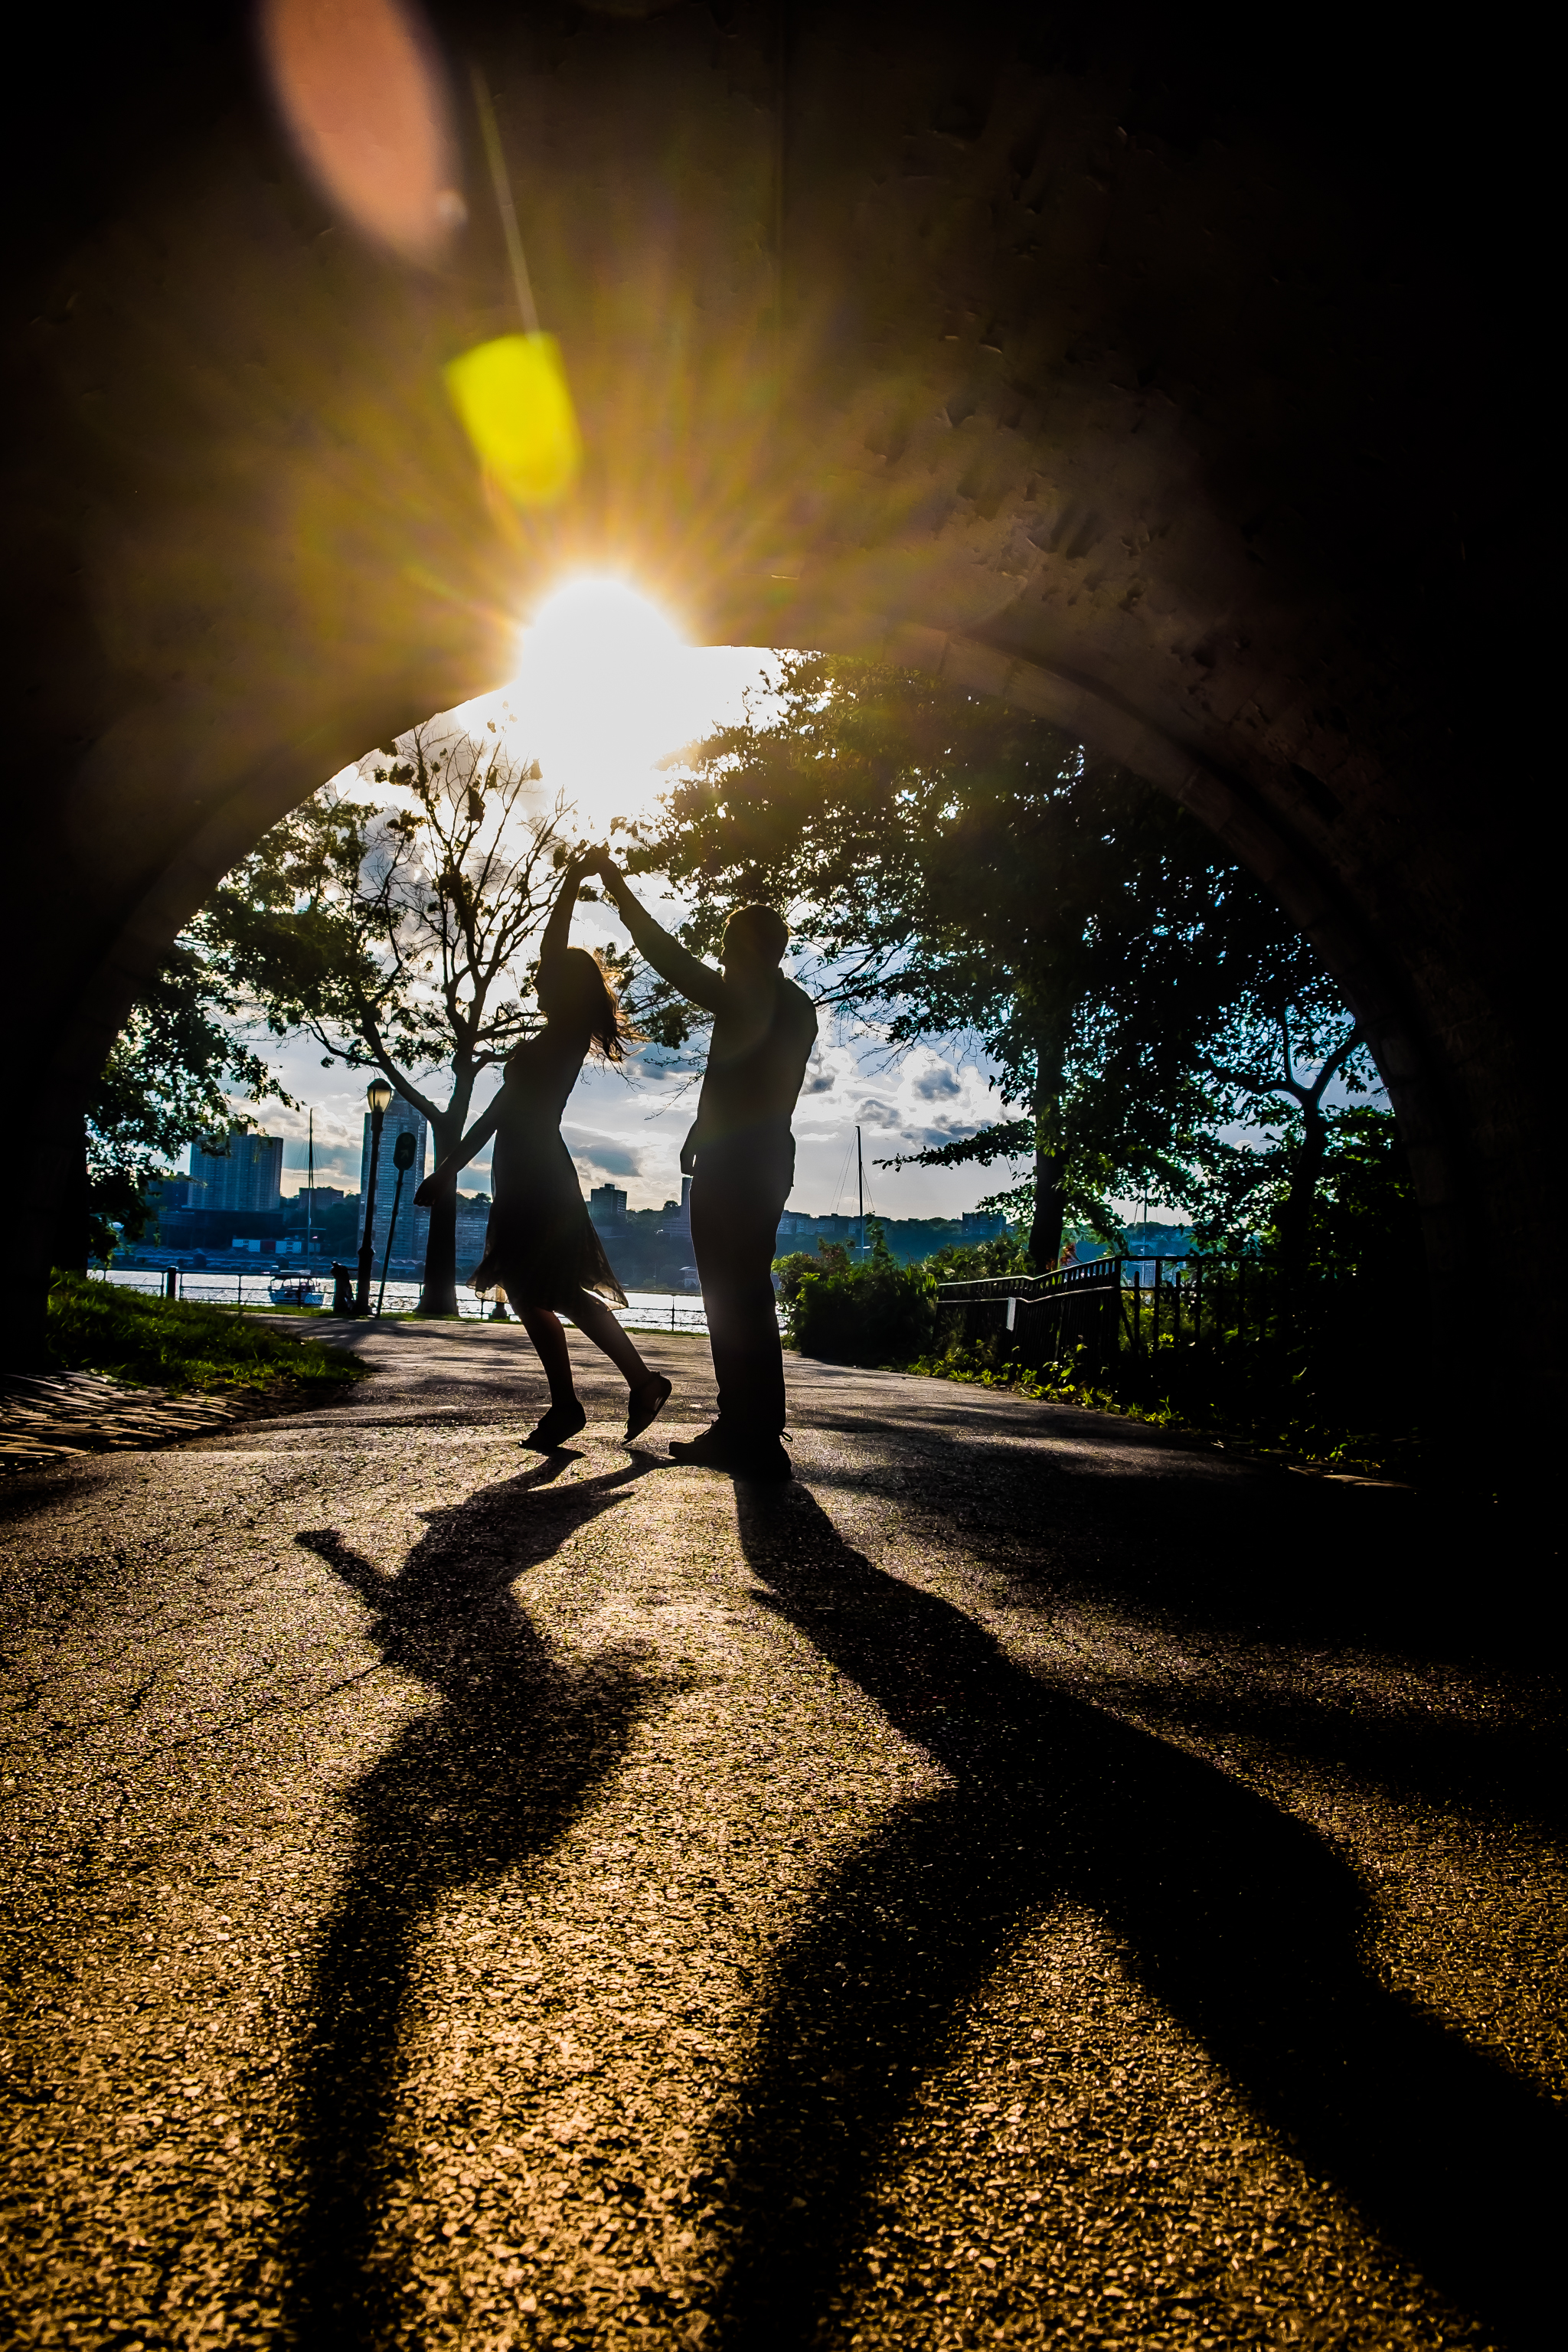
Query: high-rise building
(473, 1231)
(608, 1206)
(248, 1177)
(413, 1224)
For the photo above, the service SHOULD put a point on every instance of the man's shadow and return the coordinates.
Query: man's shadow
(1241, 1922)
(489, 1781)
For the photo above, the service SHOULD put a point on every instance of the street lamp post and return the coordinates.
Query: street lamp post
(378, 1094)
(403, 1161)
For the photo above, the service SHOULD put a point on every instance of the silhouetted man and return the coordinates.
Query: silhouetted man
(764, 1030)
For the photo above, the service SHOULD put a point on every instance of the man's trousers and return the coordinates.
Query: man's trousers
(738, 1194)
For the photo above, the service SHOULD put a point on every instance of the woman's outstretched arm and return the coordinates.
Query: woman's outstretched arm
(447, 1172)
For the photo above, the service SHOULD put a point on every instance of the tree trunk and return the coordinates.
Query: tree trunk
(73, 1209)
(1296, 1216)
(1046, 1232)
(439, 1295)
(36, 1180)
(1050, 1169)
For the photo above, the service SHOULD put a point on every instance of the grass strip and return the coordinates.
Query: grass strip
(98, 1327)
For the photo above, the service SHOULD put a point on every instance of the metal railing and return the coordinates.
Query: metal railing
(646, 1310)
(1142, 1303)
(1095, 1274)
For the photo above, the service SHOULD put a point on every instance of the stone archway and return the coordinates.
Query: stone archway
(1090, 368)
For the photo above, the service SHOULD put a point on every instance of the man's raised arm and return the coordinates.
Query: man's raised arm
(688, 974)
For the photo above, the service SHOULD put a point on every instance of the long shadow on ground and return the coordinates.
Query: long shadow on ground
(1432, 1598)
(489, 1781)
(1240, 1921)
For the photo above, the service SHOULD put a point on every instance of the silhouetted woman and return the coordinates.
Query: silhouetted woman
(542, 1253)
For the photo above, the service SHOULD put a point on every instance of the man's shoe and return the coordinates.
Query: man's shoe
(562, 1422)
(709, 1452)
(736, 1452)
(765, 1459)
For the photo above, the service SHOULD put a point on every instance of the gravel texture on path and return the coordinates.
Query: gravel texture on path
(1024, 1882)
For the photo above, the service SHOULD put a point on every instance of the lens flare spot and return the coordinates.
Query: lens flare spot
(365, 101)
(516, 408)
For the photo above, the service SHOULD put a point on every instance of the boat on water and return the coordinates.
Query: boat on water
(299, 1286)
(289, 1289)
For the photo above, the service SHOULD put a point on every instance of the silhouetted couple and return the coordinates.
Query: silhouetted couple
(542, 1251)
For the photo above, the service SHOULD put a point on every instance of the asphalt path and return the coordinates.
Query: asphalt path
(1026, 1882)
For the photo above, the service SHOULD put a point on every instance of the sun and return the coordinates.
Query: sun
(592, 624)
(606, 687)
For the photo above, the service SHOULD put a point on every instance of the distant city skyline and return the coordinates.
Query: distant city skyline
(246, 1177)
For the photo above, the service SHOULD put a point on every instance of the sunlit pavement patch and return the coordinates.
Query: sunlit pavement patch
(456, 1899)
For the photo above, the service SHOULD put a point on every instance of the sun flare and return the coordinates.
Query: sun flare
(591, 621)
(606, 687)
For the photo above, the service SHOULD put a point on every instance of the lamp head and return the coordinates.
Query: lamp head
(378, 1094)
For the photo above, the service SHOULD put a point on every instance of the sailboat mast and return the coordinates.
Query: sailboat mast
(309, 1188)
(860, 1188)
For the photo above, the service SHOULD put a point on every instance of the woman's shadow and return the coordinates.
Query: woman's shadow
(1240, 1921)
(483, 1783)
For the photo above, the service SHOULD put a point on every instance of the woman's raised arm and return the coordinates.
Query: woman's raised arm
(558, 929)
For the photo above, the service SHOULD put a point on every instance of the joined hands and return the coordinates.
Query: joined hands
(595, 860)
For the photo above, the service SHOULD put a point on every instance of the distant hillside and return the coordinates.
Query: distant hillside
(910, 1238)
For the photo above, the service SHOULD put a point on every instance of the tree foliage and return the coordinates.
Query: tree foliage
(168, 1082)
(965, 872)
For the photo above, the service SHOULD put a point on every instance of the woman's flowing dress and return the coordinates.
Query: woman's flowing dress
(540, 1248)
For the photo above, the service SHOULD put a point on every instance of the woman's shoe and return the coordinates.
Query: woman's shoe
(562, 1422)
(646, 1403)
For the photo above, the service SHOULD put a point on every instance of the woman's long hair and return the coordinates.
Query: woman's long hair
(591, 997)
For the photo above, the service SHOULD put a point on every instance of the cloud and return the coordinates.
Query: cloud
(936, 1080)
(605, 1155)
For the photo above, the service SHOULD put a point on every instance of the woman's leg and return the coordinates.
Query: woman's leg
(543, 1328)
(592, 1315)
(649, 1392)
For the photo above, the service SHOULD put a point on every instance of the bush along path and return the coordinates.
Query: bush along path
(128, 1370)
(1337, 1388)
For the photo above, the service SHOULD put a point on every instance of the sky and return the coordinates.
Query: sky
(604, 690)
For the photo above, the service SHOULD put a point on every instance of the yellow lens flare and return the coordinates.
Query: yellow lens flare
(515, 407)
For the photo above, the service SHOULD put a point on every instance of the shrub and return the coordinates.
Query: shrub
(875, 1313)
(981, 1261)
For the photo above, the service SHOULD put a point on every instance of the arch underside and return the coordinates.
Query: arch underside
(1041, 366)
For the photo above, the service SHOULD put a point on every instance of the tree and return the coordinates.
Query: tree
(1247, 1083)
(163, 1087)
(394, 930)
(964, 870)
